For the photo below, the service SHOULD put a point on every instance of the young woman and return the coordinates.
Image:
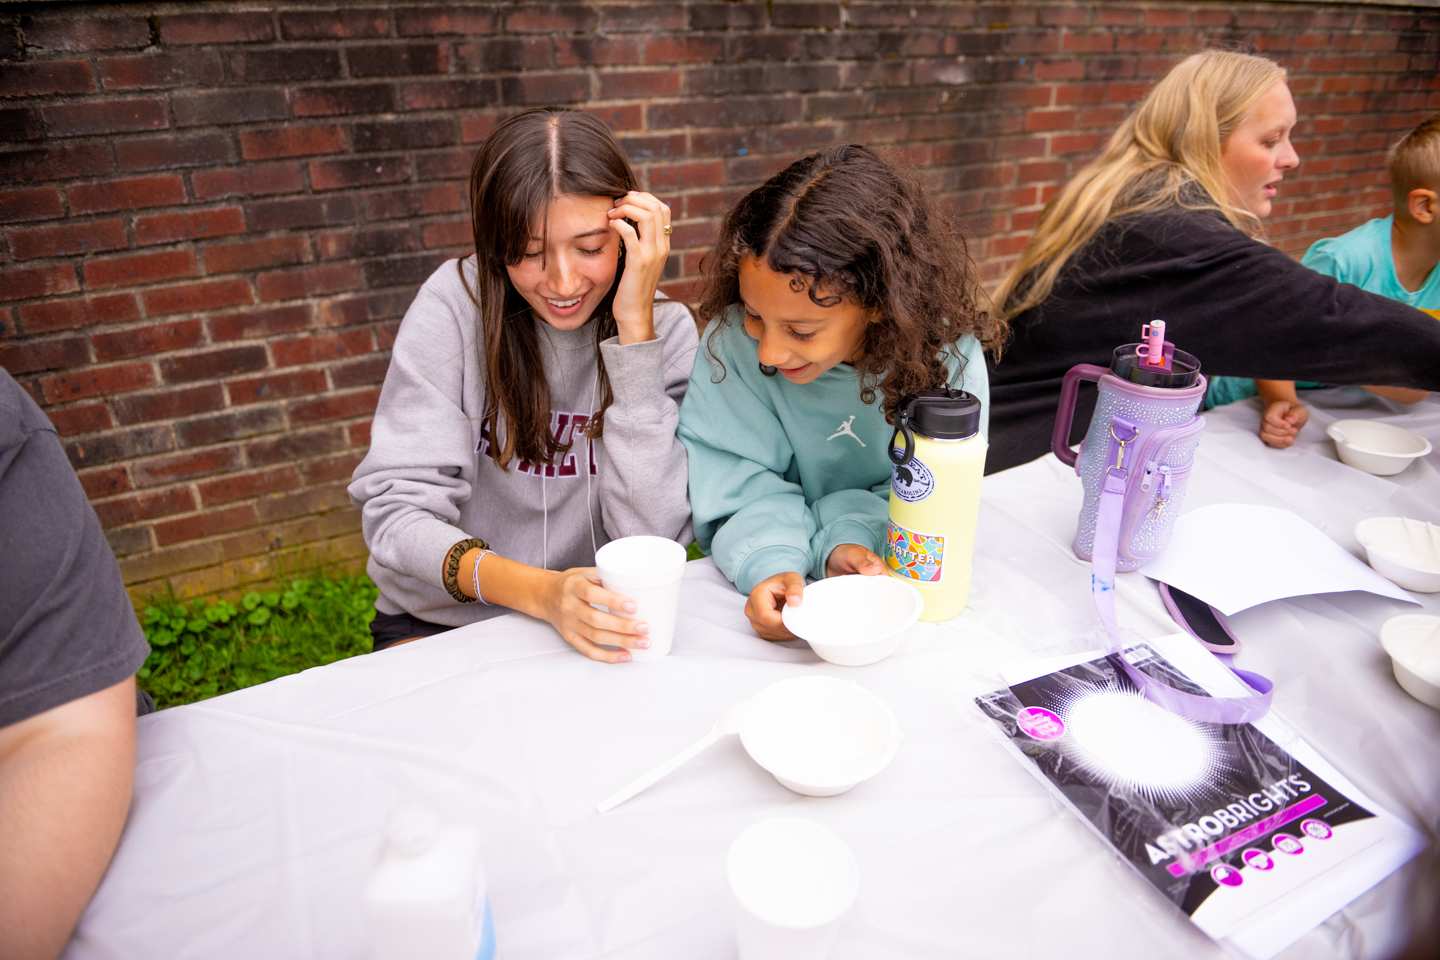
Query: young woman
(529, 412)
(1162, 226)
(834, 291)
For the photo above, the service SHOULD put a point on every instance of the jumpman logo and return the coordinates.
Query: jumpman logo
(845, 431)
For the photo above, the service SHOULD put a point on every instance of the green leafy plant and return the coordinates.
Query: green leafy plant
(202, 649)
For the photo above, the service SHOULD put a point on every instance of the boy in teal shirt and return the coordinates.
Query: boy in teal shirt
(1393, 256)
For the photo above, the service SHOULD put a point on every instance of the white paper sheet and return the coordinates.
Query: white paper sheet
(1238, 555)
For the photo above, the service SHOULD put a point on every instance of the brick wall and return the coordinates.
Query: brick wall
(213, 215)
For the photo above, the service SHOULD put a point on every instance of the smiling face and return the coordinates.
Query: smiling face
(1258, 152)
(797, 336)
(567, 272)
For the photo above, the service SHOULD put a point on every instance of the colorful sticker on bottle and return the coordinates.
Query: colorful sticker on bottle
(912, 481)
(914, 556)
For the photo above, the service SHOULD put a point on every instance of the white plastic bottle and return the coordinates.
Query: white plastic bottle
(427, 899)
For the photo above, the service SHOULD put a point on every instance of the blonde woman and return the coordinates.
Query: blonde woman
(1164, 225)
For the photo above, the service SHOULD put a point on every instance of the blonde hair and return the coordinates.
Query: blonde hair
(1414, 162)
(1167, 147)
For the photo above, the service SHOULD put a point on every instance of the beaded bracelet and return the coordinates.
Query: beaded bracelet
(452, 567)
(484, 552)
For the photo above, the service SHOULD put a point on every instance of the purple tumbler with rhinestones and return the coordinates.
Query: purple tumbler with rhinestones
(1148, 401)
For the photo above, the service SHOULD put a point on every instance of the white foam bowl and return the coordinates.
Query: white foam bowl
(1379, 448)
(854, 620)
(1404, 551)
(820, 736)
(1413, 642)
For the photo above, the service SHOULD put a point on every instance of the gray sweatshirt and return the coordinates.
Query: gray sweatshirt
(427, 482)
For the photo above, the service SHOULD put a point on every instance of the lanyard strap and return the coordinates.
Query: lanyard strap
(1102, 588)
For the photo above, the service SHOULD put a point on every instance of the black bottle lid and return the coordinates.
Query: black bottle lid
(947, 414)
(1181, 369)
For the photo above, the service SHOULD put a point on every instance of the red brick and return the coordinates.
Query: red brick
(373, 242)
(138, 268)
(162, 190)
(213, 364)
(292, 284)
(351, 98)
(417, 201)
(190, 225)
(449, 233)
(189, 68)
(205, 525)
(358, 373)
(185, 466)
(112, 445)
(30, 282)
(144, 506)
(365, 309)
(243, 486)
(545, 88)
(250, 254)
(357, 172)
(30, 356)
(53, 315)
(683, 49)
(68, 239)
(1043, 120)
(449, 94)
(260, 323)
(85, 33)
(206, 295)
(319, 348)
(504, 54)
(445, 19)
(297, 212)
(233, 425)
(166, 153)
(708, 173)
(335, 406)
(402, 134)
(196, 28)
(475, 127)
(290, 142)
(269, 64)
(106, 116)
(55, 163)
(96, 382)
(256, 180)
(295, 383)
(43, 78)
(624, 84)
(333, 24)
(307, 502)
(32, 203)
(212, 107)
(86, 418)
(141, 341)
(340, 467)
(359, 433)
(397, 59)
(105, 481)
(550, 18)
(169, 404)
(21, 123)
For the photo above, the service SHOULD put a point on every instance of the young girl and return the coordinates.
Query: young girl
(531, 399)
(834, 291)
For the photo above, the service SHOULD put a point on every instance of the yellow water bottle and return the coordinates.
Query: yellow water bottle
(939, 461)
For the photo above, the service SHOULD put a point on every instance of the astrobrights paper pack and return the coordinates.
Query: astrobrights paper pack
(1256, 842)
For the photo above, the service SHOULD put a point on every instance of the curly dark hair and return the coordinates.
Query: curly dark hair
(857, 228)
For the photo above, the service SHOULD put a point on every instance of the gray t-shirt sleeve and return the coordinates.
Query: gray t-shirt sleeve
(67, 628)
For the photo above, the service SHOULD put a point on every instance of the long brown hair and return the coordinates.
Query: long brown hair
(1165, 150)
(856, 227)
(527, 161)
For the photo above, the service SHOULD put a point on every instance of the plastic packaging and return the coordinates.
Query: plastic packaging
(939, 460)
(427, 898)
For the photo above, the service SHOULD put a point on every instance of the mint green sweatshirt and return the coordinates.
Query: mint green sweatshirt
(781, 474)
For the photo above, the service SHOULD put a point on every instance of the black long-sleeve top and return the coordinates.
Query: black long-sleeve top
(1243, 308)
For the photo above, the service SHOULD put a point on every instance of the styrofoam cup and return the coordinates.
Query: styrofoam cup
(792, 881)
(648, 570)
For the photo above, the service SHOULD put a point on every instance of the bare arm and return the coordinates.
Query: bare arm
(65, 781)
(1284, 413)
(1400, 394)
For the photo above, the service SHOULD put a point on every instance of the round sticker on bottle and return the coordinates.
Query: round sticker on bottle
(912, 481)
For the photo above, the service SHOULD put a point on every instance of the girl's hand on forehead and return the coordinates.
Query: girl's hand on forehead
(646, 250)
(565, 602)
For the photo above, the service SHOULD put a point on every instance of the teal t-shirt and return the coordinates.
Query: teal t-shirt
(782, 473)
(1361, 257)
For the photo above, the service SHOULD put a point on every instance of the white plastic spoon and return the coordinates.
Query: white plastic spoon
(727, 724)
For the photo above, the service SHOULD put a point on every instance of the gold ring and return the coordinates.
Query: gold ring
(668, 228)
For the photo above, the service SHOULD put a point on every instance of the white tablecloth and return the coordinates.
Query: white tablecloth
(257, 815)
